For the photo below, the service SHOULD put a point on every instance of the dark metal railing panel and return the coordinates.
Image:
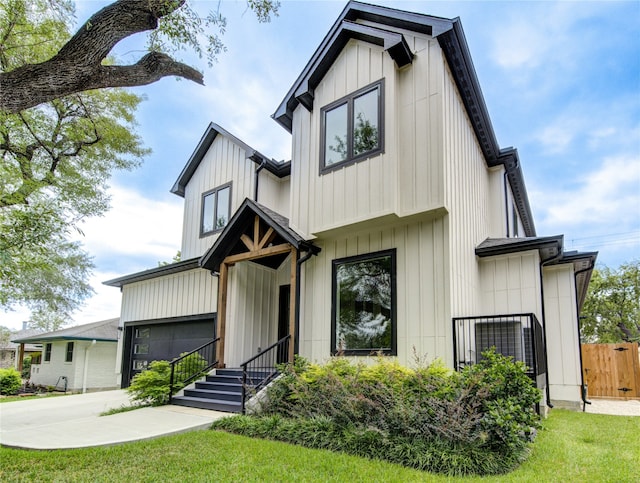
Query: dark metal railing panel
(192, 365)
(258, 371)
(517, 335)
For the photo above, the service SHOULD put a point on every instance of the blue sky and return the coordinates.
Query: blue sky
(561, 81)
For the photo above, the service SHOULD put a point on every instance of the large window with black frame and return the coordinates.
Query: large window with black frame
(364, 304)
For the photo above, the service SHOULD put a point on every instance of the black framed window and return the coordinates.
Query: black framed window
(352, 127)
(364, 304)
(216, 209)
(69, 354)
(47, 352)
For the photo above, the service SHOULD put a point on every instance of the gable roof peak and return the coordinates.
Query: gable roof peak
(280, 169)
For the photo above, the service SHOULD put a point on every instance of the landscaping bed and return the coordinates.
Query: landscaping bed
(480, 421)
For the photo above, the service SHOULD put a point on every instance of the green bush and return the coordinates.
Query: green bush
(151, 386)
(26, 367)
(10, 381)
(430, 418)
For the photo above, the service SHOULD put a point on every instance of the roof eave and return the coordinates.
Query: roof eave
(169, 269)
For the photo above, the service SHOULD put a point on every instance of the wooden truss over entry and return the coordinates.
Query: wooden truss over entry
(256, 234)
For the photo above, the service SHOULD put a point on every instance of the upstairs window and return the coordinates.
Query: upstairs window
(364, 304)
(216, 209)
(352, 127)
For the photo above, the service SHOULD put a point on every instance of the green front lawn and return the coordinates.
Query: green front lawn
(571, 447)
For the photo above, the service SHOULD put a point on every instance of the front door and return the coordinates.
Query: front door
(284, 298)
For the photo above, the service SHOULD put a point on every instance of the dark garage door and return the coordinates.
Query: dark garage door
(149, 342)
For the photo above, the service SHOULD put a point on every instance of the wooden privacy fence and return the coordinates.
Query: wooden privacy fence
(612, 370)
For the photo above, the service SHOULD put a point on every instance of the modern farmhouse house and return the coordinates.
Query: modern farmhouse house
(398, 227)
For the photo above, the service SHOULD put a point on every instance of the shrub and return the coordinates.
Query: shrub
(26, 367)
(151, 387)
(10, 381)
(430, 418)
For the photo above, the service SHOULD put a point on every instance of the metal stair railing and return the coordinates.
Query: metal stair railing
(191, 365)
(258, 371)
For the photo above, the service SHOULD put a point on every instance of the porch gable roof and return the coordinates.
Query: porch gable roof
(242, 223)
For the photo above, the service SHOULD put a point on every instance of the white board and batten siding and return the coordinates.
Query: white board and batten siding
(274, 192)
(225, 162)
(186, 293)
(468, 197)
(562, 336)
(511, 284)
(357, 192)
(252, 323)
(423, 315)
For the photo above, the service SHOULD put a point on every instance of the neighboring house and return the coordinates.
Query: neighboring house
(398, 227)
(10, 352)
(78, 359)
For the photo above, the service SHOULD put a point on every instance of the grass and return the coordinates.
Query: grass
(6, 399)
(571, 447)
(123, 409)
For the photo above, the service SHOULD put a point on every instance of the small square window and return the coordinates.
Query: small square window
(141, 348)
(142, 333)
(140, 364)
(351, 127)
(216, 210)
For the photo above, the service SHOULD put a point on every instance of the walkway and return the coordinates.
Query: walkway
(64, 422)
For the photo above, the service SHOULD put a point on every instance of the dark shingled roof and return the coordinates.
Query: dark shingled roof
(242, 222)
(104, 331)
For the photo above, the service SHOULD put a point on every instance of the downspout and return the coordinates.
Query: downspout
(312, 251)
(544, 321)
(86, 366)
(506, 198)
(257, 178)
(583, 387)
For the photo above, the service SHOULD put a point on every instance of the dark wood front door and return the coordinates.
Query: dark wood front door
(284, 305)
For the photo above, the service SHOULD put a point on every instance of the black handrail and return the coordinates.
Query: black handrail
(258, 371)
(188, 366)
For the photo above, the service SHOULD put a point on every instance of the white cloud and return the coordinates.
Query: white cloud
(136, 225)
(608, 196)
(104, 304)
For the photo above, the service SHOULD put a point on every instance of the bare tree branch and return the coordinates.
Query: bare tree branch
(78, 65)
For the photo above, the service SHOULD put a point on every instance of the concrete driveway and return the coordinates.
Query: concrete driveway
(74, 421)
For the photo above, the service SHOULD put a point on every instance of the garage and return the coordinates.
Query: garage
(165, 339)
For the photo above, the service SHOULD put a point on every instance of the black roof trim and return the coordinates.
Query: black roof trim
(212, 259)
(279, 169)
(393, 42)
(456, 50)
(548, 246)
(583, 265)
(511, 161)
(453, 42)
(344, 29)
(169, 269)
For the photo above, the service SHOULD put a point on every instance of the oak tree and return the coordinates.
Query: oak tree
(79, 65)
(611, 312)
